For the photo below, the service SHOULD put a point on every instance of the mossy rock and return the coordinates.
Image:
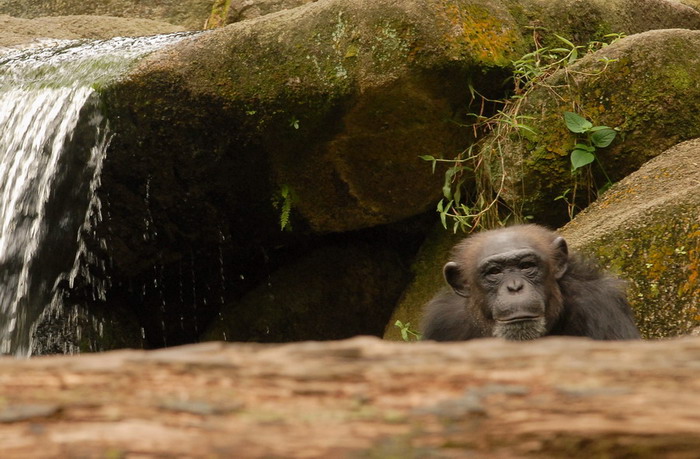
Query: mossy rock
(342, 97)
(643, 85)
(227, 12)
(331, 102)
(583, 21)
(646, 228)
(427, 281)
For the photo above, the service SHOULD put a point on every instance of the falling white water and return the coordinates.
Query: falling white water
(53, 140)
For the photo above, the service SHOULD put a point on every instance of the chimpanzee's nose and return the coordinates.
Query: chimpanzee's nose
(514, 285)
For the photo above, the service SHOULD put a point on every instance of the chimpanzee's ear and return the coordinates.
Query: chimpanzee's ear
(453, 276)
(560, 263)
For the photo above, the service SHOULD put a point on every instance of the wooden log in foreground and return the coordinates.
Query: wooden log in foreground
(359, 398)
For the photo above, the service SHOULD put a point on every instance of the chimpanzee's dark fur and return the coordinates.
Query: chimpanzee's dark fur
(521, 283)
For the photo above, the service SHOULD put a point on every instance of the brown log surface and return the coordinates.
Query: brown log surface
(362, 397)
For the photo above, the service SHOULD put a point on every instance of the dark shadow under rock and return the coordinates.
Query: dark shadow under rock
(332, 293)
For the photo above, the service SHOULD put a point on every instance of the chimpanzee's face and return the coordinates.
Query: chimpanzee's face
(511, 281)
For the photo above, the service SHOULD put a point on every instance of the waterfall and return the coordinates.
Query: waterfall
(53, 140)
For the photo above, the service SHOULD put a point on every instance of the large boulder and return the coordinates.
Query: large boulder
(644, 86)
(582, 21)
(322, 109)
(191, 14)
(695, 4)
(340, 97)
(647, 229)
(319, 112)
(14, 31)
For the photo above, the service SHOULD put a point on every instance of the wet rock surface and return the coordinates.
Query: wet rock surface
(16, 32)
(191, 14)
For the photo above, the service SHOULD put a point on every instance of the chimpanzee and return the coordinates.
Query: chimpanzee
(521, 283)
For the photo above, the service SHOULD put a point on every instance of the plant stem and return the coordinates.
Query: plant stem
(602, 169)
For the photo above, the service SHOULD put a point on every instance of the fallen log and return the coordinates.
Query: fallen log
(359, 398)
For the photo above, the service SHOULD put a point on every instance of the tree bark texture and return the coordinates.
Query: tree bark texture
(554, 397)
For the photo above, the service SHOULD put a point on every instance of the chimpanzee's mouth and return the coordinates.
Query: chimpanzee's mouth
(514, 320)
(520, 328)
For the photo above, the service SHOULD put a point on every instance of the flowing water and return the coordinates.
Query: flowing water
(53, 140)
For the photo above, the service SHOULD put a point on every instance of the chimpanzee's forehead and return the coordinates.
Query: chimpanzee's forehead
(504, 241)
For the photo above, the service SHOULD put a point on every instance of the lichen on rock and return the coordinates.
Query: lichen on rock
(646, 228)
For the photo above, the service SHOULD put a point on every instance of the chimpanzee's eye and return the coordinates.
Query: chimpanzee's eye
(527, 266)
(493, 271)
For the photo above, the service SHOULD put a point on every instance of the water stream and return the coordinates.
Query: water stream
(53, 140)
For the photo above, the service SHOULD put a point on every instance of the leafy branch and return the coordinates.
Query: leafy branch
(283, 201)
(595, 137)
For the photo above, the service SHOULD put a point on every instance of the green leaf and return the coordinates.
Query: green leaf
(576, 123)
(603, 138)
(598, 128)
(447, 185)
(580, 158)
(565, 41)
(573, 56)
(583, 146)
(443, 212)
(527, 128)
(563, 195)
(447, 191)
(286, 200)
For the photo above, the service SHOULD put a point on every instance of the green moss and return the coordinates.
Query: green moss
(664, 290)
(484, 36)
(219, 14)
(680, 78)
